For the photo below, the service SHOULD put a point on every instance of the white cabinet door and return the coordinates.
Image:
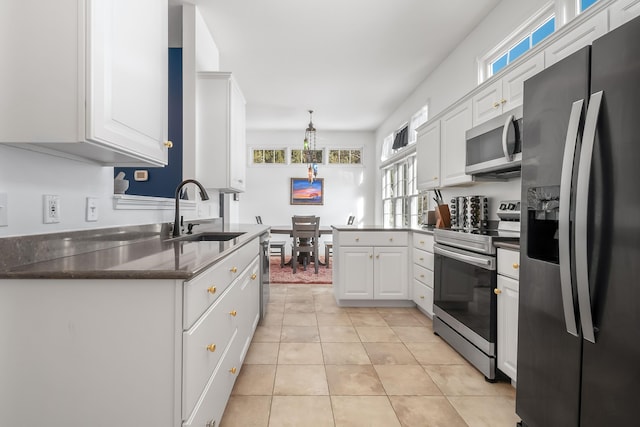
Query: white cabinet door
(579, 37)
(508, 326)
(356, 272)
(220, 132)
(127, 90)
(486, 103)
(390, 273)
(453, 150)
(623, 11)
(87, 78)
(428, 156)
(513, 81)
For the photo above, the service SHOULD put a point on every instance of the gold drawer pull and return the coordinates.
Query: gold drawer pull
(421, 259)
(253, 276)
(233, 370)
(422, 242)
(168, 144)
(233, 313)
(422, 275)
(421, 296)
(234, 269)
(515, 265)
(212, 290)
(497, 291)
(211, 347)
(357, 239)
(435, 177)
(391, 239)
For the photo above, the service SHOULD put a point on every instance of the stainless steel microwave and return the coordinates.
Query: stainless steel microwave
(494, 148)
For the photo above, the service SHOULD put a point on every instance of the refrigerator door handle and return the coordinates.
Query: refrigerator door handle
(582, 204)
(508, 151)
(564, 230)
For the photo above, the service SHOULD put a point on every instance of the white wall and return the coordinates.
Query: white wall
(349, 190)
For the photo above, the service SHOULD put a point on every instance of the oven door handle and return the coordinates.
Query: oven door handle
(479, 261)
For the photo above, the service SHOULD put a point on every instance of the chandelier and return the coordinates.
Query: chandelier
(309, 150)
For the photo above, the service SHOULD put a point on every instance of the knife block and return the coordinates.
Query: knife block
(443, 216)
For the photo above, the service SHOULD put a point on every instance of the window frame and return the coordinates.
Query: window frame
(526, 29)
(350, 149)
(267, 148)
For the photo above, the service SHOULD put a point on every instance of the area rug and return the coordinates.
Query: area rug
(285, 274)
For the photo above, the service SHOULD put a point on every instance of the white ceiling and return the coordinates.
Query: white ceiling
(351, 61)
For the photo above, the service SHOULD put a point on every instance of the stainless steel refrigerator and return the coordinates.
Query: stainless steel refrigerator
(579, 306)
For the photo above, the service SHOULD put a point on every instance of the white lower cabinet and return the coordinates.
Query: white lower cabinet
(507, 291)
(422, 290)
(370, 265)
(120, 352)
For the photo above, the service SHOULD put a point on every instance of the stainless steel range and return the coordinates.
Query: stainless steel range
(465, 305)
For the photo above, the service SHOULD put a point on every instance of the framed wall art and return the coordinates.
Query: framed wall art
(304, 192)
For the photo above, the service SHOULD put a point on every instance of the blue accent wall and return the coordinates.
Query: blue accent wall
(164, 181)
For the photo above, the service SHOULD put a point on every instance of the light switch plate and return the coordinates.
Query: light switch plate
(4, 210)
(91, 214)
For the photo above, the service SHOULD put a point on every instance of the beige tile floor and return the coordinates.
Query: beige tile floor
(313, 363)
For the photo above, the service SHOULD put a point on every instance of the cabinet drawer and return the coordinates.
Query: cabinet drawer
(217, 390)
(373, 238)
(201, 291)
(423, 259)
(215, 328)
(423, 297)
(423, 241)
(509, 263)
(423, 275)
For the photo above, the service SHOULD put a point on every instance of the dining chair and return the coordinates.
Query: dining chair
(306, 233)
(276, 247)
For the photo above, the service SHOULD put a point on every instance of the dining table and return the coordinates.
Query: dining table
(288, 229)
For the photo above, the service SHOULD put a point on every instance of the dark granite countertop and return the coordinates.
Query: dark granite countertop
(130, 253)
(345, 227)
(507, 245)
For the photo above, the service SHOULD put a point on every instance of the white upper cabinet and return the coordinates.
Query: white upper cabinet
(623, 11)
(86, 78)
(453, 150)
(505, 93)
(580, 36)
(428, 155)
(220, 132)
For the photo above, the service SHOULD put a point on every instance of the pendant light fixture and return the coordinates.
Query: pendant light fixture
(309, 150)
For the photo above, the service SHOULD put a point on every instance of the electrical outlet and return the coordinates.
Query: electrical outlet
(51, 206)
(92, 209)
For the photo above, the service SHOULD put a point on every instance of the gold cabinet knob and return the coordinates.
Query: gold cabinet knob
(212, 290)
(378, 256)
(211, 347)
(496, 104)
(370, 256)
(503, 101)
(515, 265)
(233, 370)
(421, 296)
(357, 239)
(497, 291)
(253, 276)
(435, 177)
(422, 276)
(422, 242)
(234, 269)
(421, 259)
(168, 144)
(233, 313)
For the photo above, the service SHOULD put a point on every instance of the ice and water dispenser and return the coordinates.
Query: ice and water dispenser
(543, 205)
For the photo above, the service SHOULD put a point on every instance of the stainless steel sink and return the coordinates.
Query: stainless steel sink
(219, 236)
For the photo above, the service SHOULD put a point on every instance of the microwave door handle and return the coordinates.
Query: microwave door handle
(508, 151)
(564, 230)
(582, 203)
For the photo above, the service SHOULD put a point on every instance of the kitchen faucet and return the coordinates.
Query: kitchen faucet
(203, 195)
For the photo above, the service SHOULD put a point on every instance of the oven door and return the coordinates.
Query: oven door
(464, 295)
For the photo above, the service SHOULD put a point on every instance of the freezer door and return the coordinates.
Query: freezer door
(611, 365)
(548, 392)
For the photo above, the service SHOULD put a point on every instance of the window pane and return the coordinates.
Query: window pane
(334, 156)
(268, 156)
(296, 156)
(584, 4)
(519, 49)
(344, 156)
(541, 33)
(356, 157)
(499, 64)
(257, 156)
(279, 156)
